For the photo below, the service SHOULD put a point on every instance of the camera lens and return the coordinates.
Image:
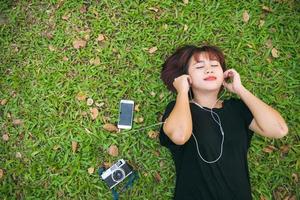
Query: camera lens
(118, 175)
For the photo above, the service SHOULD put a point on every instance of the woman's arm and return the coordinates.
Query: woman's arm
(267, 121)
(178, 126)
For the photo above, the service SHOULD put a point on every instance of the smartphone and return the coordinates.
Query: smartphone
(125, 114)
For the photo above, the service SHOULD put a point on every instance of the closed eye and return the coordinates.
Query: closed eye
(214, 65)
(199, 67)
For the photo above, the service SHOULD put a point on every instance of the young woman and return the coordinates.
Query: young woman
(209, 138)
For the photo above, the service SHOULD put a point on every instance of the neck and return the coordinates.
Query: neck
(207, 99)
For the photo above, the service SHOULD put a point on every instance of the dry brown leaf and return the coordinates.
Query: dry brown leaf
(65, 58)
(5, 137)
(161, 163)
(66, 17)
(157, 177)
(106, 165)
(18, 155)
(185, 1)
(295, 177)
(74, 146)
(1, 173)
(51, 47)
(153, 134)
(83, 9)
(156, 153)
(275, 53)
(3, 102)
(185, 28)
(113, 150)
(266, 9)
(161, 96)
(77, 44)
(100, 38)
(246, 16)
(99, 105)
(81, 96)
(17, 122)
(262, 198)
(285, 149)
(269, 44)
(86, 37)
(89, 101)
(152, 50)
(153, 9)
(95, 61)
(91, 170)
(137, 108)
(94, 112)
(56, 147)
(140, 120)
(269, 149)
(110, 127)
(152, 93)
(261, 23)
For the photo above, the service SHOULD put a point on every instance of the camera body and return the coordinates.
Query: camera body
(116, 173)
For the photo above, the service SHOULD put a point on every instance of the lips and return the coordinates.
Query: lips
(210, 78)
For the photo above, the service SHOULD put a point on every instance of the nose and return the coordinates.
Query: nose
(208, 70)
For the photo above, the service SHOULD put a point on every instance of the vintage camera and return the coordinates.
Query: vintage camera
(116, 173)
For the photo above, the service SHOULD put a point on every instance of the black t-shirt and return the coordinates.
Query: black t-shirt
(228, 178)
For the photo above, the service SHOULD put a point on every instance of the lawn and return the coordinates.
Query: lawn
(65, 66)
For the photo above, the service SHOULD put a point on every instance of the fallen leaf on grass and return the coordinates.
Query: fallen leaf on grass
(106, 165)
(17, 122)
(185, 2)
(100, 38)
(77, 44)
(153, 134)
(138, 120)
(56, 147)
(261, 23)
(113, 150)
(91, 170)
(1, 173)
(51, 48)
(246, 16)
(81, 96)
(66, 17)
(137, 108)
(3, 102)
(185, 28)
(284, 149)
(95, 61)
(74, 146)
(18, 155)
(269, 149)
(157, 177)
(110, 127)
(295, 177)
(5, 137)
(266, 9)
(269, 44)
(275, 53)
(94, 113)
(65, 58)
(83, 9)
(89, 101)
(152, 50)
(153, 9)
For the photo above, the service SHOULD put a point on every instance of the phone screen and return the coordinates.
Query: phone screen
(126, 114)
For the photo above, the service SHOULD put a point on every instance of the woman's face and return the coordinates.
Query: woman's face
(206, 74)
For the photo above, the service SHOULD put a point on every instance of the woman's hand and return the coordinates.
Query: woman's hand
(235, 85)
(182, 83)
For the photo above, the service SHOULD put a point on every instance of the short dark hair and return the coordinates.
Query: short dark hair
(177, 64)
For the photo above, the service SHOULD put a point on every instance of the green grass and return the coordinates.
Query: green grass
(41, 88)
